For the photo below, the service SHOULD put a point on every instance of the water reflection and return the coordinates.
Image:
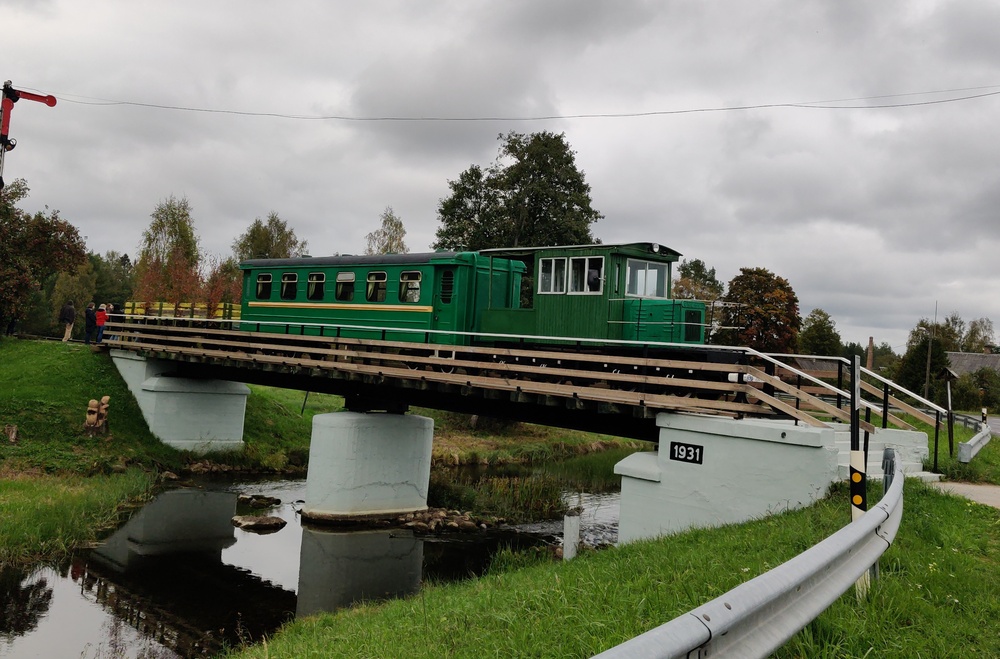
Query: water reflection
(24, 599)
(178, 579)
(338, 569)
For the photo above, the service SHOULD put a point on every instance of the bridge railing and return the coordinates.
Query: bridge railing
(220, 311)
(891, 398)
(754, 382)
(761, 615)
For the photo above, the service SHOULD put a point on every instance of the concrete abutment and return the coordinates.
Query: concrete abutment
(202, 416)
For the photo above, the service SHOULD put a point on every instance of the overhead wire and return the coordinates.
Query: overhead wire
(833, 104)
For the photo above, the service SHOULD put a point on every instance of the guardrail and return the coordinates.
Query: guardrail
(968, 450)
(759, 616)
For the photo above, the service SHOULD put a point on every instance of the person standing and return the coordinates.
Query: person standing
(101, 318)
(68, 316)
(113, 317)
(90, 322)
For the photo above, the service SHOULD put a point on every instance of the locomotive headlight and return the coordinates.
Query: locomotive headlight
(655, 247)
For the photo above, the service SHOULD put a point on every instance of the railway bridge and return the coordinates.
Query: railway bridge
(740, 433)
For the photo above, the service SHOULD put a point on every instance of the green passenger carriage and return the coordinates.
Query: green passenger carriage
(541, 295)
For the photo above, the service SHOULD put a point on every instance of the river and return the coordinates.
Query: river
(179, 580)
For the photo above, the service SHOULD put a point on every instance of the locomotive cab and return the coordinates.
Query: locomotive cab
(616, 292)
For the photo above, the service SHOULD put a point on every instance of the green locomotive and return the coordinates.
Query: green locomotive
(543, 295)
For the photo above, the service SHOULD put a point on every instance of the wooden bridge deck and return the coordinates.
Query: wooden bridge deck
(618, 395)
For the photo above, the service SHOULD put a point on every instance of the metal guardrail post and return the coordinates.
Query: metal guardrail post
(937, 432)
(951, 432)
(885, 405)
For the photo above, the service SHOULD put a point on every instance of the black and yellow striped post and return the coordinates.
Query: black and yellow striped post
(859, 485)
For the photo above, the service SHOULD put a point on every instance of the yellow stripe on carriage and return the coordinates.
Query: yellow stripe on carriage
(344, 307)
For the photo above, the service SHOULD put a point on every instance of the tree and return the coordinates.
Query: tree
(79, 287)
(696, 281)
(532, 195)
(979, 335)
(270, 240)
(389, 238)
(819, 335)
(885, 359)
(470, 216)
(763, 311)
(223, 283)
(167, 266)
(33, 249)
(955, 334)
(913, 372)
(975, 390)
(115, 277)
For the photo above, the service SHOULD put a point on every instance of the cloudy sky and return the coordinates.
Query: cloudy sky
(850, 147)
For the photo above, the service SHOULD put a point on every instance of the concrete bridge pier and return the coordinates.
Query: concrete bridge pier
(367, 465)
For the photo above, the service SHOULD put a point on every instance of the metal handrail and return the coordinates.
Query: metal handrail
(761, 615)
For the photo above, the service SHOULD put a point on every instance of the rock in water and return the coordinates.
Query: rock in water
(259, 524)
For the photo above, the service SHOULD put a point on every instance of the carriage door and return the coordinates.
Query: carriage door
(445, 306)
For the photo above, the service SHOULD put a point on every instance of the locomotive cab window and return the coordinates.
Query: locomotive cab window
(586, 274)
(552, 275)
(317, 282)
(345, 286)
(647, 279)
(375, 292)
(289, 285)
(263, 287)
(409, 287)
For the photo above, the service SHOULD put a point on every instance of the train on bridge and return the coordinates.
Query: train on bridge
(544, 296)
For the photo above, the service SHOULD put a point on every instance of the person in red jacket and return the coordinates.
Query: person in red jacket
(102, 317)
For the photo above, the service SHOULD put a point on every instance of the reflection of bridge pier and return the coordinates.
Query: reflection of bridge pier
(163, 574)
(339, 568)
(177, 521)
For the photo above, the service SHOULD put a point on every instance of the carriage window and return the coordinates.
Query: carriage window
(647, 279)
(447, 286)
(376, 287)
(345, 286)
(289, 285)
(317, 282)
(552, 276)
(586, 274)
(409, 287)
(263, 287)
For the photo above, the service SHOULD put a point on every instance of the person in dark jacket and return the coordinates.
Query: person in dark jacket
(67, 317)
(90, 327)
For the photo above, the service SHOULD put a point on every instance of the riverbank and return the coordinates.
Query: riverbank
(55, 468)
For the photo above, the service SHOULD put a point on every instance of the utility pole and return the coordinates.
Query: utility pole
(930, 342)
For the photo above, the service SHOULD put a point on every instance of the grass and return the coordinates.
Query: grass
(43, 517)
(936, 594)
